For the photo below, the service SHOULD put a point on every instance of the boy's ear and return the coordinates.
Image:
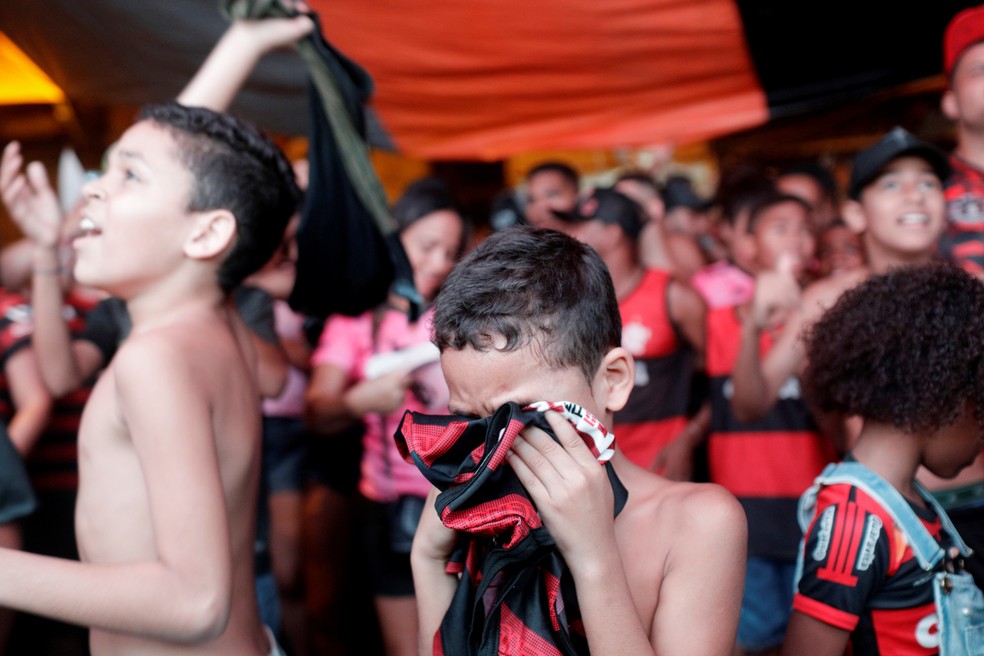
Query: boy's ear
(948, 103)
(615, 379)
(213, 233)
(854, 216)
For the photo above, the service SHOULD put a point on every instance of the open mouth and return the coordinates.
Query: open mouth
(88, 228)
(914, 219)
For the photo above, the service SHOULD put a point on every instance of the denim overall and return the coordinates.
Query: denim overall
(959, 602)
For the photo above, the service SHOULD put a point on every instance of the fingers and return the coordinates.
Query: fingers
(571, 440)
(541, 462)
(11, 164)
(529, 465)
(786, 264)
(38, 178)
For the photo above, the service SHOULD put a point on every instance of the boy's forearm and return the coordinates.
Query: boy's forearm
(611, 620)
(52, 340)
(144, 599)
(752, 396)
(434, 589)
(223, 73)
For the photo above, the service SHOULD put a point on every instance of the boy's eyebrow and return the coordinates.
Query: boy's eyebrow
(129, 154)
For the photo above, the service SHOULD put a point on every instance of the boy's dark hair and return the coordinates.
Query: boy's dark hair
(905, 348)
(531, 286)
(740, 188)
(818, 172)
(233, 167)
(642, 178)
(767, 200)
(565, 170)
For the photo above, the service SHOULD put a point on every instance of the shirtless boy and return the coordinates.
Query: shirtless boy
(531, 315)
(191, 202)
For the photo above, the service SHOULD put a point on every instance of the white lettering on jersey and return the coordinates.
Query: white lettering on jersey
(824, 530)
(927, 632)
(872, 530)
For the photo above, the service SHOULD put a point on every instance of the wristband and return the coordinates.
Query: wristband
(47, 271)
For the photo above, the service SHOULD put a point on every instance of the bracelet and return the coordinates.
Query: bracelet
(50, 271)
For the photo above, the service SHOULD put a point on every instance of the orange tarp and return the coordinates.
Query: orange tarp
(520, 75)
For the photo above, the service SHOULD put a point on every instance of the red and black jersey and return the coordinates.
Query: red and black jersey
(860, 575)
(53, 462)
(767, 463)
(656, 410)
(963, 241)
(516, 594)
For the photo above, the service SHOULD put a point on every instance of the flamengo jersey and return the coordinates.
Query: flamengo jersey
(515, 594)
(963, 241)
(767, 463)
(656, 410)
(860, 575)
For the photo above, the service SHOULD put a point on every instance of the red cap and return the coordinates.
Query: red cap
(966, 29)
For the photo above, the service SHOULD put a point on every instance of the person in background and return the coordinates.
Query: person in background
(369, 370)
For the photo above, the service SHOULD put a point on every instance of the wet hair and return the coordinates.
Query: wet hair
(565, 170)
(761, 204)
(534, 287)
(905, 348)
(233, 167)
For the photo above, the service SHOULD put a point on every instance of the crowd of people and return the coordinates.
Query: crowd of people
(192, 465)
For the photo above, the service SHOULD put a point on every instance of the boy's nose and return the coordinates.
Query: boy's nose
(92, 191)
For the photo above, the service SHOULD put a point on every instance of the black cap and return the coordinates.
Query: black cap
(870, 162)
(608, 206)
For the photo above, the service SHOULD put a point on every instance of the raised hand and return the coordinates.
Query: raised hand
(29, 198)
(570, 488)
(777, 294)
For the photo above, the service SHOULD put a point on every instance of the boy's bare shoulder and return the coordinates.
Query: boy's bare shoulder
(700, 510)
(185, 349)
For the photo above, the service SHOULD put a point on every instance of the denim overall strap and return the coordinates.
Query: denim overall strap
(926, 549)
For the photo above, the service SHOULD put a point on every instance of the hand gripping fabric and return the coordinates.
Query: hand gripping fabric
(516, 595)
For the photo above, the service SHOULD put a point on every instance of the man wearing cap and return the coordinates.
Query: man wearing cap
(963, 241)
(963, 103)
(663, 328)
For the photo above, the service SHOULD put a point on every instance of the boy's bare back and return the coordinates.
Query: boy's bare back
(168, 471)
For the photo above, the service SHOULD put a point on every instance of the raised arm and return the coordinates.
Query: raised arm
(235, 55)
(33, 205)
(757, 383)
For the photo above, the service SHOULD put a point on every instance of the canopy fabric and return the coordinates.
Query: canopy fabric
(512, 75)
(487, 79)
(22, 82)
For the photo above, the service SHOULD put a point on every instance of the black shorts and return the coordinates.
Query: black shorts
(389, 572)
